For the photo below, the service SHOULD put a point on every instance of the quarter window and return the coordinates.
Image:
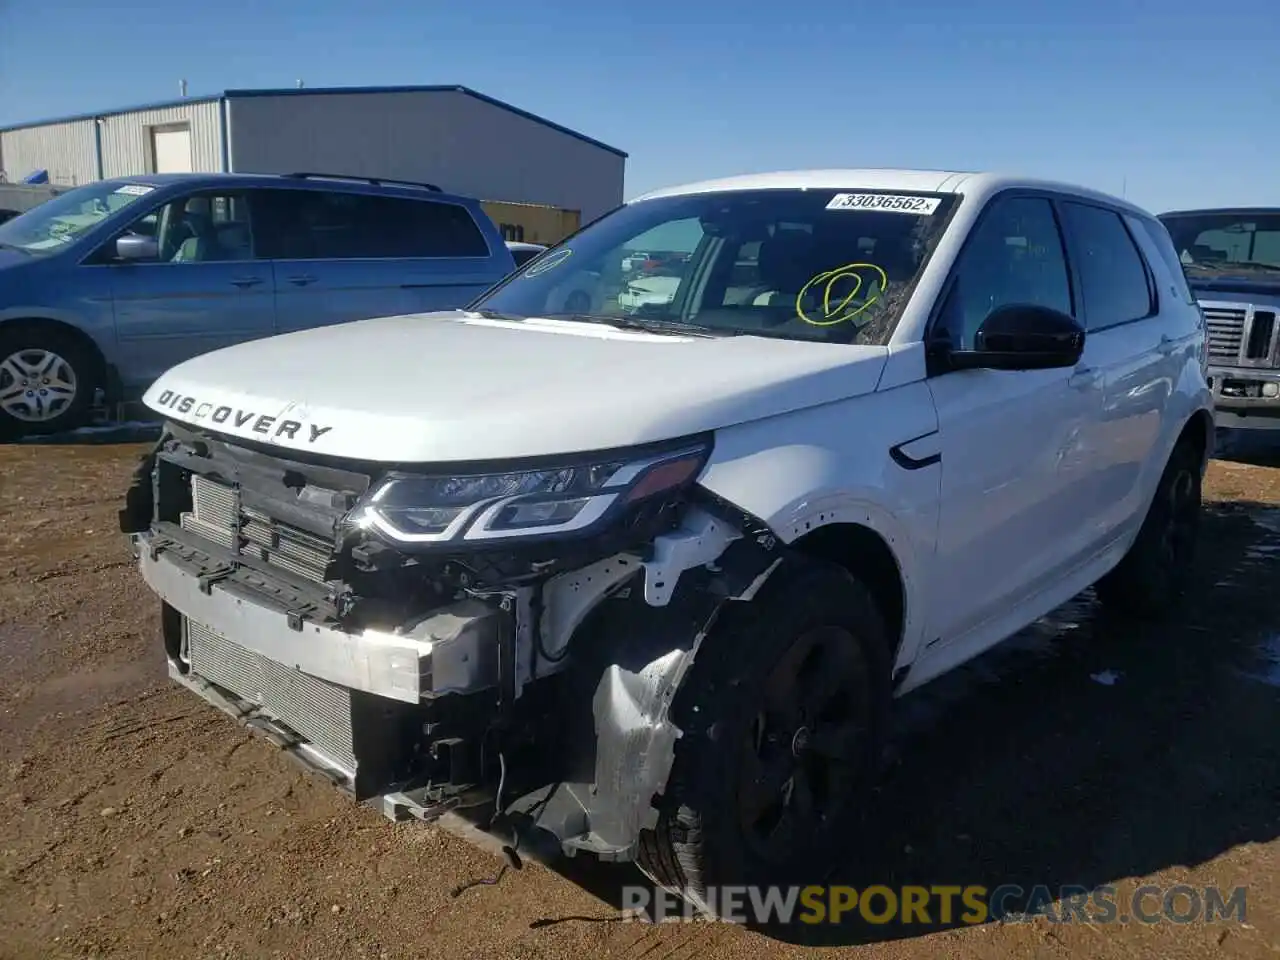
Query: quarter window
(1161, 240)
(1113, 276)
(1013, 256)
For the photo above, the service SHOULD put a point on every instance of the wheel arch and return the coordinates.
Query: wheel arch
(1199, 431)
(67, 330)
(867, 555)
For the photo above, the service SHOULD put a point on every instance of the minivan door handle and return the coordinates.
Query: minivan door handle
(1167, 345)
(1084, 378)
(301, 279)
(245, 282)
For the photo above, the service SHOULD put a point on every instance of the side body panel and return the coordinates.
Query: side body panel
(833, 464)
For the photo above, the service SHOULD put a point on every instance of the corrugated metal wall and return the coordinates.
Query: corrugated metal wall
(463, 144)
(126, 140)
(66, 150)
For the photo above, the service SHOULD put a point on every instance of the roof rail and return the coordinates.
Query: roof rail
(375, 181)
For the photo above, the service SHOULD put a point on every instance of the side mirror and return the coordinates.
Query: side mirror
(1022, 337)
(132, 246)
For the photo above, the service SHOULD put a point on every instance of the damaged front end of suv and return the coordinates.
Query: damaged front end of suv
(502, 638)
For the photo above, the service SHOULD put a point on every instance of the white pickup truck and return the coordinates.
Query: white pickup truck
(647, 584)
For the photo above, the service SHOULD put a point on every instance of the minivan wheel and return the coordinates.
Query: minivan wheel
(783, 730)
(1150, 580)
(47, 382)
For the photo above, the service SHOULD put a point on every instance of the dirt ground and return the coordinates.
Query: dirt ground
(136, 821)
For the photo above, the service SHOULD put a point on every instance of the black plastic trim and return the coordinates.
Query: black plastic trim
(908, 462)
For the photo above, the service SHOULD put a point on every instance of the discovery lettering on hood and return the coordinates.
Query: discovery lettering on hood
(199, 410)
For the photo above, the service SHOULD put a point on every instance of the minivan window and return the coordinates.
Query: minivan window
(324, 225)
(815, 264)
(62, 220)
(1013, 256)
(196, 228)
(1113, 275)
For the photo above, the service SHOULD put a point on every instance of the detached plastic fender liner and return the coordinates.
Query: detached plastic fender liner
(631, 659)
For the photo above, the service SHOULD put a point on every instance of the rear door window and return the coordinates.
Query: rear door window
(1114, 277)
(323, 225)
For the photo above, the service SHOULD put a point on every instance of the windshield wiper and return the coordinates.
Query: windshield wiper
(1242, 266)
(650, 324)
(497, 315)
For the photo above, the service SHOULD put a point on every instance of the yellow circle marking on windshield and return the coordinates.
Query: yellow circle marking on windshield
(839, 312)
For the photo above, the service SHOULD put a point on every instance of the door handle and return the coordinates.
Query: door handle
(301, 280)
(245, 282)
(1167, 345)
(1084, 378)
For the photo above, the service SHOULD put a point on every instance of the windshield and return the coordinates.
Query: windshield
(826, 265)
(1226, 242)
(61, 221)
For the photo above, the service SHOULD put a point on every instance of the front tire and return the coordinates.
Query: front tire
(47, 381)
(783, 731)
(1149, 582)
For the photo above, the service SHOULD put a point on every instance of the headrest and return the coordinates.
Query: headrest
(786, 260)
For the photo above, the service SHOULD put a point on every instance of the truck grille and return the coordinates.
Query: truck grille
(318, 711)
(217, 514)
(1226, 332)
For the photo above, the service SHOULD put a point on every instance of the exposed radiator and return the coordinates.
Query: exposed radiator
(318, 711)
(217, 514)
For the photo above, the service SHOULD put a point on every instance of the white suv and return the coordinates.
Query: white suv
(647, 583)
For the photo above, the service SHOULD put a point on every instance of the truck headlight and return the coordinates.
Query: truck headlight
(413, 508)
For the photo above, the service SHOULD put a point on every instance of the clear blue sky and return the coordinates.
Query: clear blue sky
(1177, 103)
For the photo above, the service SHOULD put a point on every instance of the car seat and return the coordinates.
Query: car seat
(201, 243)
(784, 265)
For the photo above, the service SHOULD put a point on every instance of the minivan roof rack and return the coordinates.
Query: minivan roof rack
(375, 181)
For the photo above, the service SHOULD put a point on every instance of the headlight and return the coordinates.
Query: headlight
(437, 509)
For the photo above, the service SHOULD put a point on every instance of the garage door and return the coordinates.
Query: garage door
(171, 147)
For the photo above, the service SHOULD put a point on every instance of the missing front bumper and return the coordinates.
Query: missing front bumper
(373, 712)
(451, 651)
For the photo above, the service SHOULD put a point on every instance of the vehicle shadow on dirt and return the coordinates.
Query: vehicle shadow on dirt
(141, 431)
(1084, 751)
(133, 423)
(1258, 447)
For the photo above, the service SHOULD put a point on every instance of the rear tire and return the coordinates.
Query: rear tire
(47, 381)
(783, 731)
(1149, 582)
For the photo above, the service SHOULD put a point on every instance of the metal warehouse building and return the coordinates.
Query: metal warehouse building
(452, 136)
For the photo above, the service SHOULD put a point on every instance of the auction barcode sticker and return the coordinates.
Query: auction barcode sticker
(134, 189)
(889, 203)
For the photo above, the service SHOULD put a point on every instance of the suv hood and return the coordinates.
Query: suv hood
(458, 387)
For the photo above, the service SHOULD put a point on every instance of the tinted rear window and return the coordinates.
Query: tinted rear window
(318, 225)
(1113, 274)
